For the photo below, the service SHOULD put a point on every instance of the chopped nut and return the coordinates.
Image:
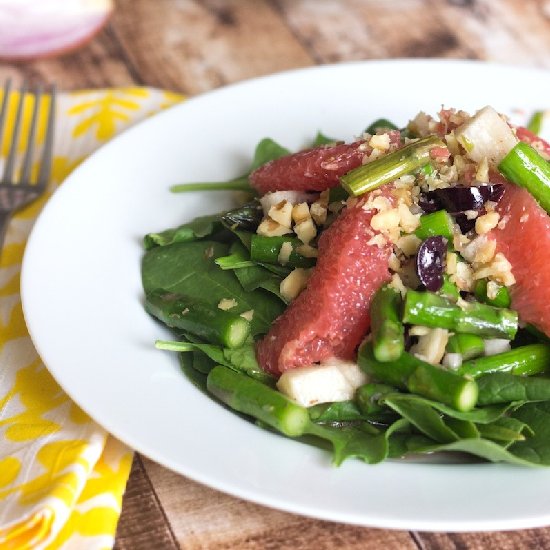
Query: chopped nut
(248, 315)
(480, 250)
(284, 253)
(409, 244)
(270, 228)
(307, 251)
(300, 212)
(381, 142)
(524, 218)
(394, 263)
(318, 213)
(282, 213)
(227, 303)
(485, 223)
(492, 290)
(378, 240)
(397, 284)
(294, 283)
(471, 214)
(305, 231)
(409, 221)
(386, 220)
(482, 172)
(451, 263)
(499, 270)
(463, 277)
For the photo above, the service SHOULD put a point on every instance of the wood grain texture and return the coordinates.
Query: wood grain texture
(203, 518)
(192, 47)
(143, 524)
(528, 539)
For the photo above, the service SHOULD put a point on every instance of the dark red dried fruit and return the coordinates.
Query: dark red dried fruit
(430, 262)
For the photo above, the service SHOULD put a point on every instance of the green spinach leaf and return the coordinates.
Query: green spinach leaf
(199, 228)
(190, 269)
(503, 387)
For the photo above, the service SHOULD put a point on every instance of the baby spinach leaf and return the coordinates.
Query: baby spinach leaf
(423, 417)
(483, 415)
(190, 269)
(267, 150)
(402, 444)
(505, 430)
(508, 388)
(244, 360)
(340, 411)
(199, 228)
(464, 429)
(535, 449)
(321, 139)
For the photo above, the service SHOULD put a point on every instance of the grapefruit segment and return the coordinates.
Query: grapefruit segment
(525, 241)
(331, 316)
(314, 169)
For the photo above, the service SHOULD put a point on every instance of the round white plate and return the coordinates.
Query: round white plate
(83, 301)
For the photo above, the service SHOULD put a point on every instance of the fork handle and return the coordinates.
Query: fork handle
(4, 221)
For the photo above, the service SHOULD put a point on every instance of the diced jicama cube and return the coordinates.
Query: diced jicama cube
(334, 380)
(486, 135)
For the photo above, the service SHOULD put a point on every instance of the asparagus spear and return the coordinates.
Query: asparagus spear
(266, 250)
(525, 361)
(524, 166)
(468, 345)
(387, 328)
(434, 224)
(502, 298)
(431, 310)
(249, 396)
(416, 376)
(212, 324)
(390, 167)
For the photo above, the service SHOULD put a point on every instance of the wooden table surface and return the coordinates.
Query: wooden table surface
(191, 46)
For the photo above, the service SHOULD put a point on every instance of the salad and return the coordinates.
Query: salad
(388, 296)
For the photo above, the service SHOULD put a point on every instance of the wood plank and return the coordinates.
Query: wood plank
(142, 524)
(509, 31)
(527, 539)
(364, 29)
(339, 30)
(203, 518)
(190, 46)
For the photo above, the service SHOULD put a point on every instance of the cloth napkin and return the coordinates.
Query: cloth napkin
(62, 476)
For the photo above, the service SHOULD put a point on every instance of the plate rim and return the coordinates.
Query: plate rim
(280, 504)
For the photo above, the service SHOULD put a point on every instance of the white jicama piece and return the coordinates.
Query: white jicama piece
(486, 135)
(494, 346)
(431, 346)
(293, 197)
(334, 380)
(452, 360)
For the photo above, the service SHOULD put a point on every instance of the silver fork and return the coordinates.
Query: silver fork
(17, 193)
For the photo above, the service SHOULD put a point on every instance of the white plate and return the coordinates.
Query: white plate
(83, 301)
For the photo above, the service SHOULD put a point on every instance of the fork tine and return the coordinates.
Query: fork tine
(10, 163)
(46, 164)
(4, 109)
(27, 162)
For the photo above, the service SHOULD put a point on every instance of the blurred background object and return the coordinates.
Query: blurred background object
(32, 29)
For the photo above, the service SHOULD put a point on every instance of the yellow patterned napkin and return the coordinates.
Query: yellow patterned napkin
(62, 476)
